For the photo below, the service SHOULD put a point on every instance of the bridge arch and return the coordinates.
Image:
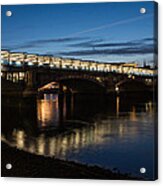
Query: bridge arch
(131, 85)
(77, 84)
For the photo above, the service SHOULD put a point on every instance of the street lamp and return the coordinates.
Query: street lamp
(117, 89)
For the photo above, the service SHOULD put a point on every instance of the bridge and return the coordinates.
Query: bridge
(28, 74)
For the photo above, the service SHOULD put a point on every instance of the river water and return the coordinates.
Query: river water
(116, 133)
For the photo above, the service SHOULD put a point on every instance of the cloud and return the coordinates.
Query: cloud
(56, 40)
(150, 39)
(98, 44)
(89, 43)
(145, 49)
(42, 42)
(95, 47)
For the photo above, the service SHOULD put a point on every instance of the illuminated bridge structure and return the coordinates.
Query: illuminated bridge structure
(30, 73)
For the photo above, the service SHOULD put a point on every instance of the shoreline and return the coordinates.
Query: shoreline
(29, 165)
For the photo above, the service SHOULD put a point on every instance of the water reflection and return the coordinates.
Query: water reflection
(19, 135)
(47, 110)
(116, 132)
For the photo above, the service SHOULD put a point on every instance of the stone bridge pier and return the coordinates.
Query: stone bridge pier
(30, 84)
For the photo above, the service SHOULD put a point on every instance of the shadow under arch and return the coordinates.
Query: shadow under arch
(131, 85)
(74, 85)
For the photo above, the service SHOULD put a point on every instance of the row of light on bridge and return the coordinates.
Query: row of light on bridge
(19, 59)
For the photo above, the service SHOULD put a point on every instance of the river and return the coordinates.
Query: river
(116, 133)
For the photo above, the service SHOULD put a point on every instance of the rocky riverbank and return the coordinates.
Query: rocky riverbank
(29, 165)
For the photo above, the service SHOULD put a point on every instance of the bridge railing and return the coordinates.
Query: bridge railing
(33, 60)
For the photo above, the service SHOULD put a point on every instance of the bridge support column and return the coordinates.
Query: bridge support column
(61, 105)
(61, 89)
(30, 89)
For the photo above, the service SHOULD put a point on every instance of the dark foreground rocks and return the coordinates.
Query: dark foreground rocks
(29, 165)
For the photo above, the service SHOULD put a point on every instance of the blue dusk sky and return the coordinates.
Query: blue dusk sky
(105, 32)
